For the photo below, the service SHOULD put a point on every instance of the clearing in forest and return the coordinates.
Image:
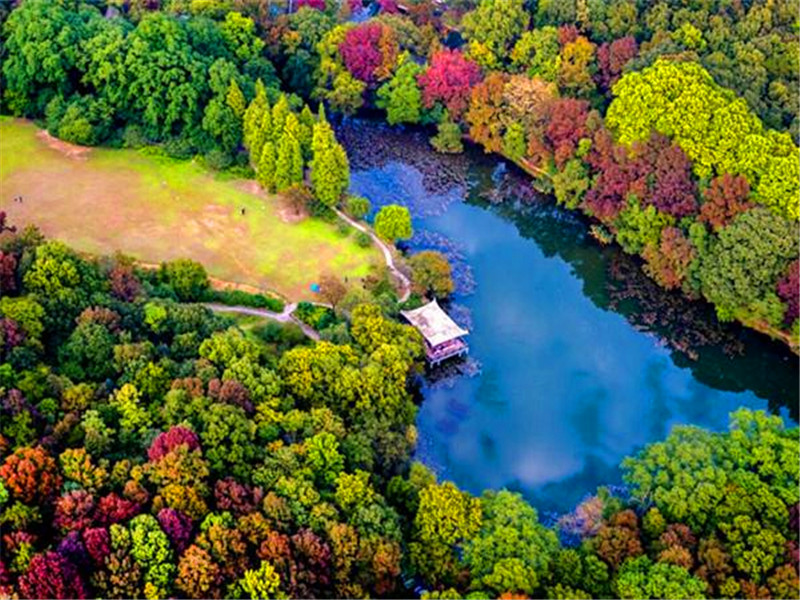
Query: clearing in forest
(102, 200)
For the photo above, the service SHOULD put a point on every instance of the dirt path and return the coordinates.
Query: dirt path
(286, 316)
(405, 283)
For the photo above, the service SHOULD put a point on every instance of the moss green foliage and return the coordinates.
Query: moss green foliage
(400, 96)
(393, 222)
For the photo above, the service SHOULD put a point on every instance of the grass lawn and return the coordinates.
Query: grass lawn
(102, 200)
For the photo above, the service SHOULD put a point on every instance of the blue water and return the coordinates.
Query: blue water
(576, 359)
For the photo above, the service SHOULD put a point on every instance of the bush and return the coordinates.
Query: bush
(217, 160)
(241, 298)
(318, 317)
(186, 277)
(363, 239)
(357, 206)
(344, 228)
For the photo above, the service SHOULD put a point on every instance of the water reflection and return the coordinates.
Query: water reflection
(578, 358)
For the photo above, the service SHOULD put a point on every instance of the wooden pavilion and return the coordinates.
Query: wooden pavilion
(442, 335)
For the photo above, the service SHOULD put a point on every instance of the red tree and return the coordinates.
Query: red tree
(238, 498)
(97, 543)
(316, 4)
(8, 270)
(31, 475)
(50, 575)
(724, 199)
(114, 509)
(611, 58)
(124, 283)
(365, 51)
(74, 511)
(169, 440)
(789, 291)
(448, 80)
(566, 126)
(617, 176)
(673, 190)
(177, 526)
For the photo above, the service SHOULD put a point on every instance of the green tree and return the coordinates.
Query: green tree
(493, 28)
(265, 173)
(330, 169)
(187, 278)
(447, 517)
(400, 97)
(261, 583)
(640, 578)
(431, 273)
(393, 222)
(743, 265)
(512, 551)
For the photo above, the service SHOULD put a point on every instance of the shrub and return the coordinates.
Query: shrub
(363, 239)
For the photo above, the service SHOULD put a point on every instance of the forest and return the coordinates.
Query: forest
(673, 127)
(150, 447)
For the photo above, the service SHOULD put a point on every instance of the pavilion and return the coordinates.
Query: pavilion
(442, 335)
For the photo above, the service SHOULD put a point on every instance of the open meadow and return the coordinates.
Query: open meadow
(103, 200)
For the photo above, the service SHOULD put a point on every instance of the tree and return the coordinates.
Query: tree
(289, 163)
(448, 80)
(400, 97)
(640, 578)
(576, 68)
(48, 35)
(187, 278)
(369, 52)
(486, 111)
(789, 291)
(447, 517)
(724, 199)
(358, 207)
(330, 169)
(393, 223)
(536, 53)
(492, 29)
(448, 136)
(261, 583)
(257, 124)
(431, 273)
(332, 289)
(512, 552)
(749, 256)
(265, 173)
(50, 575)
(31, 475)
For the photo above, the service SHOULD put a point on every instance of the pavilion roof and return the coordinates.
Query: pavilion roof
(433, 323)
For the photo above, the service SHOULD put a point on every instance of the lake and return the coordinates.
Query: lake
(577, 359)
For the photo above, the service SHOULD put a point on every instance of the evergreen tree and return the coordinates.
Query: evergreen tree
(253, 117)
(307, 122)
(289, 163)
(279, 114)
(330, 170)
(235, 99)
(266, 167)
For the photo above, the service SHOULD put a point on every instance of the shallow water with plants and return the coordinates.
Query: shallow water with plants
(577, 358)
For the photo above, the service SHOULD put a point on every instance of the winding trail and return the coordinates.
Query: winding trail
(405, 283)
(286, 316)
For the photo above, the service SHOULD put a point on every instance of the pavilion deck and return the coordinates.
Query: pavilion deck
(442, 352)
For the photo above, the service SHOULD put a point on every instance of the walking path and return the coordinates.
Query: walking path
(286, 316)
(405, 284)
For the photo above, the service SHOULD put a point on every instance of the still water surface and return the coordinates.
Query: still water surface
(577, 359)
